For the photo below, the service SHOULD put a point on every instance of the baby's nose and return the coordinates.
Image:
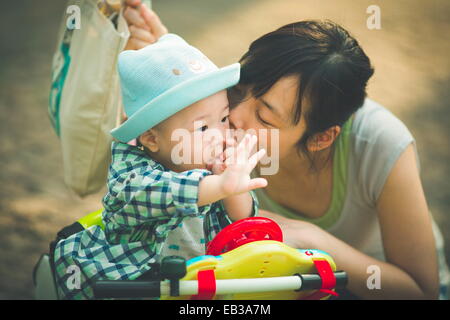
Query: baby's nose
(217, 140)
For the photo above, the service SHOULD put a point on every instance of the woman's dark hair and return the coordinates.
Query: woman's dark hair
(332, 69)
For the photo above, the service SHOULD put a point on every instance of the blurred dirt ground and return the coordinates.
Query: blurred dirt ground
(412, 79)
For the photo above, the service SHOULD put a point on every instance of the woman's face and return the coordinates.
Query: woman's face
(272, 111)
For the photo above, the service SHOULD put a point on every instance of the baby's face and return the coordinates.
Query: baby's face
(194, 136)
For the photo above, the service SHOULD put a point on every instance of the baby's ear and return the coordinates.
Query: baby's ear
(149, 139)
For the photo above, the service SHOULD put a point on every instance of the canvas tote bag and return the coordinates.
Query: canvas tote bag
(85, 100)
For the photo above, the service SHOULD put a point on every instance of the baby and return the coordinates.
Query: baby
(165, 198)
(157, 204)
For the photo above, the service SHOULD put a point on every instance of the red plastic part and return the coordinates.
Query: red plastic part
(328, 280)
(242, 232)
(206, 285)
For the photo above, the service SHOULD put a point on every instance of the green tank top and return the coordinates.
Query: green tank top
(340, 160)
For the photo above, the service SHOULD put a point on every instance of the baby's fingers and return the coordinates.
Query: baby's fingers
(257, 183)
(230, 143)
(254, 159)
(230, 153)
(230, 156)
(243, 149)
(251, 143)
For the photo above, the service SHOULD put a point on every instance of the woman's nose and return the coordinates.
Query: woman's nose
(236, 118)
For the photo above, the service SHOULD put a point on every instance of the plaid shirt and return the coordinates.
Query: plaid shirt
(144, 203)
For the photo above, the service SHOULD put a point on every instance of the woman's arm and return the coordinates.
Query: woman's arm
(411, 270)
(406, 226)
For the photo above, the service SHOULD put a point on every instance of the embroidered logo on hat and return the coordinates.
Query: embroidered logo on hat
(196, 66)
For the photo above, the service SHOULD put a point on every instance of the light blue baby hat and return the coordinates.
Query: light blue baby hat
(163, 78)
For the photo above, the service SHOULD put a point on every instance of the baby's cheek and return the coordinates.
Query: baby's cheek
(195, 148)
(226, 124)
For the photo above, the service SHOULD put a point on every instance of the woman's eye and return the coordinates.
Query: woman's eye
(262, 120)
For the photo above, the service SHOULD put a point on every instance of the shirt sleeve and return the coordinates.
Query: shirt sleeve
(139, 196)
(380, 139)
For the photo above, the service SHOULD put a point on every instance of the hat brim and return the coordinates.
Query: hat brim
(176, 99)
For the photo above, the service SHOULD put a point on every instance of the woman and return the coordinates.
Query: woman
(348, 181)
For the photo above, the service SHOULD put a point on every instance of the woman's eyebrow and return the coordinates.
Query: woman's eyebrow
(272, 108)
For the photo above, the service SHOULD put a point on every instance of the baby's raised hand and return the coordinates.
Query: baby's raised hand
(239, 163)
(217, 164)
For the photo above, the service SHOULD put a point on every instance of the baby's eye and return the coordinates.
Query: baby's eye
(203, 129)
(224, 119)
